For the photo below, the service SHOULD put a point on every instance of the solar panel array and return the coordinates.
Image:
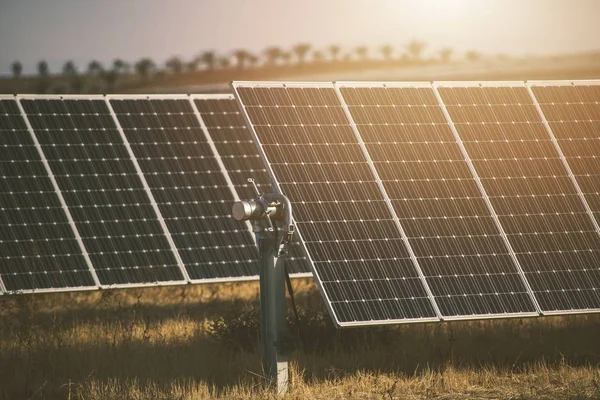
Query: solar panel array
(421, 202)
(123, 191)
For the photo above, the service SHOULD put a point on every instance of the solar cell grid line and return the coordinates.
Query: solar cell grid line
(459, 247)
(102, 190)
(189, 186)
(359, 259)
(532, 193)
(39, 250)
(224, 125)
(571, 113)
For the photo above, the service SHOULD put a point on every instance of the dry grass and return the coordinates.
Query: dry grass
(201, 342)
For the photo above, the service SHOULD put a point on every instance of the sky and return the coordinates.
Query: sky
(85, 30)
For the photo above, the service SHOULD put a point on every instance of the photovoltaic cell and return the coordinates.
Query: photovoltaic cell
(227, 129)
(529, 188)
(102, 190)
(358, 254)
(438, 203)
(572, 111)
(38, 248)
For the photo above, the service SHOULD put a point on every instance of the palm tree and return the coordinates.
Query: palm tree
(44, 83)
(241, 57)
(192, 66)
(175, 65)
(252, 61)
(69, 69)
(224, 62)
(145, 67)
(386, 51)
(208, 58)
(273, 54)
(415, 49)
(318, 56)
(110, 77)
(43, 69)
(301, 50)
(286, 57)
(120, 66)
(334, 50)
(361, 52)
(77, 84)
(473, 56)
(445, 54)
(95, 68)
(17, 69)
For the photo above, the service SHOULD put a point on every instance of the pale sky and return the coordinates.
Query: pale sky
(82, 30)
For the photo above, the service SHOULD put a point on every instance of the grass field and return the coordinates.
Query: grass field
(201, 341)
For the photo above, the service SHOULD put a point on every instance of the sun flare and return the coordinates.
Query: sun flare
(442, 9)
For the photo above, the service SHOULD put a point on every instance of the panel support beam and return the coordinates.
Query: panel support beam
(486, 199)
(58, 192)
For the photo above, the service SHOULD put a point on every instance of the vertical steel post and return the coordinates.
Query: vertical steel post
(271, 216)
(272, 310)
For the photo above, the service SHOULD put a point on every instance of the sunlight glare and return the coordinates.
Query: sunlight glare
(440, 10)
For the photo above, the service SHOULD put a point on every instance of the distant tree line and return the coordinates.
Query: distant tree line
(302, 53)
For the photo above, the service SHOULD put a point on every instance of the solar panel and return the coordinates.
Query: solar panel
(457, 241)
(535, 199)
(189, 184)
(103, 190)
(359, 255)
(38, 247)
(572, 112)
(226, 128)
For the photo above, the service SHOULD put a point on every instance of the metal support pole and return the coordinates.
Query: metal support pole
(271, 216)
(273, 312)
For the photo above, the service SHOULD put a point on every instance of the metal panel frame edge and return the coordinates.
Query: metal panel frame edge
(5, 97)
(543, 83)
